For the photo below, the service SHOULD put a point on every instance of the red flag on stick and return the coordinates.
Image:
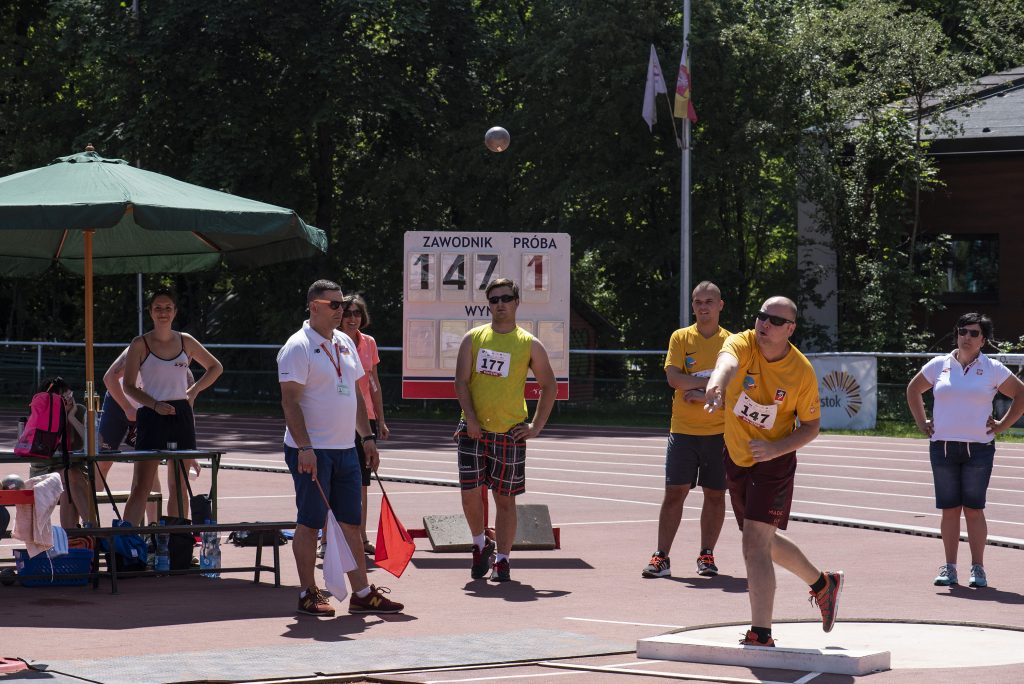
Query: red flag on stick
(394, 544)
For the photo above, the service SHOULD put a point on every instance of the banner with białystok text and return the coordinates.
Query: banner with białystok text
(847, 386)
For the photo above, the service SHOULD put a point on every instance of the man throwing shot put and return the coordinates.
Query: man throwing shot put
(765, 385)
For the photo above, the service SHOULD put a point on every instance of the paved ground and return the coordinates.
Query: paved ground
(584, 605)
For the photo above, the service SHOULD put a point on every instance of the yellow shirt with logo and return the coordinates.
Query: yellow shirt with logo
(692, 353)
(500, 364)
(764, 398)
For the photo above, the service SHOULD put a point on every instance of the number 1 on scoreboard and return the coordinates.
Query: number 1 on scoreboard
(536, 283)
(421, 275)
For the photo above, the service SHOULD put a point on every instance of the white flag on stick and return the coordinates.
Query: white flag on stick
(655, 85)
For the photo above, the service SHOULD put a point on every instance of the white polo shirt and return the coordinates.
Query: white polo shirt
(963, 396)
(328, 371)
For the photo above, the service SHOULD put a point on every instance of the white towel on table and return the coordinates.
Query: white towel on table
(32, 521)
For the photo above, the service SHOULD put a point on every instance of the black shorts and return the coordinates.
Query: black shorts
(156, 431)
(764, 491)
(692, 460)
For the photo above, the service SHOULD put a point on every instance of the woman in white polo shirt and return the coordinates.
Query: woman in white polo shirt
(962, 433)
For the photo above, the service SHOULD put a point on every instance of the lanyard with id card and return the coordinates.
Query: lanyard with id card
(342, 388)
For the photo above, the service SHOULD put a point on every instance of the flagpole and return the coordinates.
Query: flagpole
(684, 201)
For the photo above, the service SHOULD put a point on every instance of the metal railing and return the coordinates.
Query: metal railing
(601, 381)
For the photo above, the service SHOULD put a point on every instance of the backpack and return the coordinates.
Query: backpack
(47, 428)
(261, 538)
(130, 549)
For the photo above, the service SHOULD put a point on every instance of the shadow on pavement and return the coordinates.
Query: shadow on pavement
(984, 594)
(726, 583)
(513, 592)
(460, 561)
(340, 628)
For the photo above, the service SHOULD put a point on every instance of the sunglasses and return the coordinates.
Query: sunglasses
(352, 313)
(964, 332)
(334, 305)
(501, 298)
(774, 320)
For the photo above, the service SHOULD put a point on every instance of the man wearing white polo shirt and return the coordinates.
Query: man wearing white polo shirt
(324, 415)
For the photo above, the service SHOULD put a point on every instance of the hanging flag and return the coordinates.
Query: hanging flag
(684, 105)
(655, 85)
(394, 544)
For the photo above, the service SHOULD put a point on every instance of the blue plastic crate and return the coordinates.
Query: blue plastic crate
(76, 562)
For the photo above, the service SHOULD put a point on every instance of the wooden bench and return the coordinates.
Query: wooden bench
(122, 497)
(113, 573)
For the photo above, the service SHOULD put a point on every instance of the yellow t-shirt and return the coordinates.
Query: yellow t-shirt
(691, 353)
(765, 398)
(500, 364)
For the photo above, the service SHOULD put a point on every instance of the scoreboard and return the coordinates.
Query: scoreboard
(446, 275)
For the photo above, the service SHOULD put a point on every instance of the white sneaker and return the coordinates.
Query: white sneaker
(946, 576)
(978, 578)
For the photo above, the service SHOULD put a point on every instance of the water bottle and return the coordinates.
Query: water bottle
(209, 557)
(163, 553)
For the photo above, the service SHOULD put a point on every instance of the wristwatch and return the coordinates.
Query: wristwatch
(305, 448)
(368, 438)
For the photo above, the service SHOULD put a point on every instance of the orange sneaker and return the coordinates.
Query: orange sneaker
(750, 639)
(828, 598)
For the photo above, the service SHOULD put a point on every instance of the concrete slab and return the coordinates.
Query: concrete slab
(450, 533)
(912, 645)
(681, 646)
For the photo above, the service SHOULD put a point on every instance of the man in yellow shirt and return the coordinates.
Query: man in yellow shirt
(490, 376)
(695, 446)
(765, 384)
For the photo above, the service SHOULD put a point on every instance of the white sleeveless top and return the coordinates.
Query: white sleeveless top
(165, 379)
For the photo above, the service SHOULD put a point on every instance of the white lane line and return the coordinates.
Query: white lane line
(625, 622)
(497, 678)
(620, 522)
(807, 677)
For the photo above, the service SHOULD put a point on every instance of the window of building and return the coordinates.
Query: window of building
(971, 268)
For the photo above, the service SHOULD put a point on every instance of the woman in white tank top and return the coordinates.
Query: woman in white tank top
(161, 359)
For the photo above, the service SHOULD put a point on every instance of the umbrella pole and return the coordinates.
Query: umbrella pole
(90, 389)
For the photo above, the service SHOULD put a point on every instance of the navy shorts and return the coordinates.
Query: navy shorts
(961, 471)
(496, 461)
(692, 460)
(337, 471)
(114, 425)
(156, 431)
(764, 491)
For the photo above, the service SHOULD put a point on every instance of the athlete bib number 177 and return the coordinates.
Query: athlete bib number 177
(758, 415)
(494, 363)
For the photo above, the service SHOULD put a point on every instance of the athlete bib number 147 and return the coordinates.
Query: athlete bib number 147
(758, 415)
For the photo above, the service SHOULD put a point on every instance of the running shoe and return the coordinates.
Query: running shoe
(501, 572)
(315, 603)
(946, 576)
(321, 549)
(750, 639)
(368, 548)
(658, 567)
(374, 603)
(978, 578)
(828, 598)
(481, 559)
(706, 565)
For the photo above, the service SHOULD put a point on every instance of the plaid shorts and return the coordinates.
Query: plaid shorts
(496, 461)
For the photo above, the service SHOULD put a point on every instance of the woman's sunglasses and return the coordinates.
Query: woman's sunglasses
(352, 313)
(774, 320)
(964, 332)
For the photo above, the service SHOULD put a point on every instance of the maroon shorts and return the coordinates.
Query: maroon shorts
(762, 492)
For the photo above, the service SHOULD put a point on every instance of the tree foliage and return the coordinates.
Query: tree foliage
(367, 116)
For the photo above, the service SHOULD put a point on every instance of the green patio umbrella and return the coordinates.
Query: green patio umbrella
(91, 215)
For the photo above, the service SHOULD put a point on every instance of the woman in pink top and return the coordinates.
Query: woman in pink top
(354, 318)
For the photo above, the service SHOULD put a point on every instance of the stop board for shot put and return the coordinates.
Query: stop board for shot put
(444, 295)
